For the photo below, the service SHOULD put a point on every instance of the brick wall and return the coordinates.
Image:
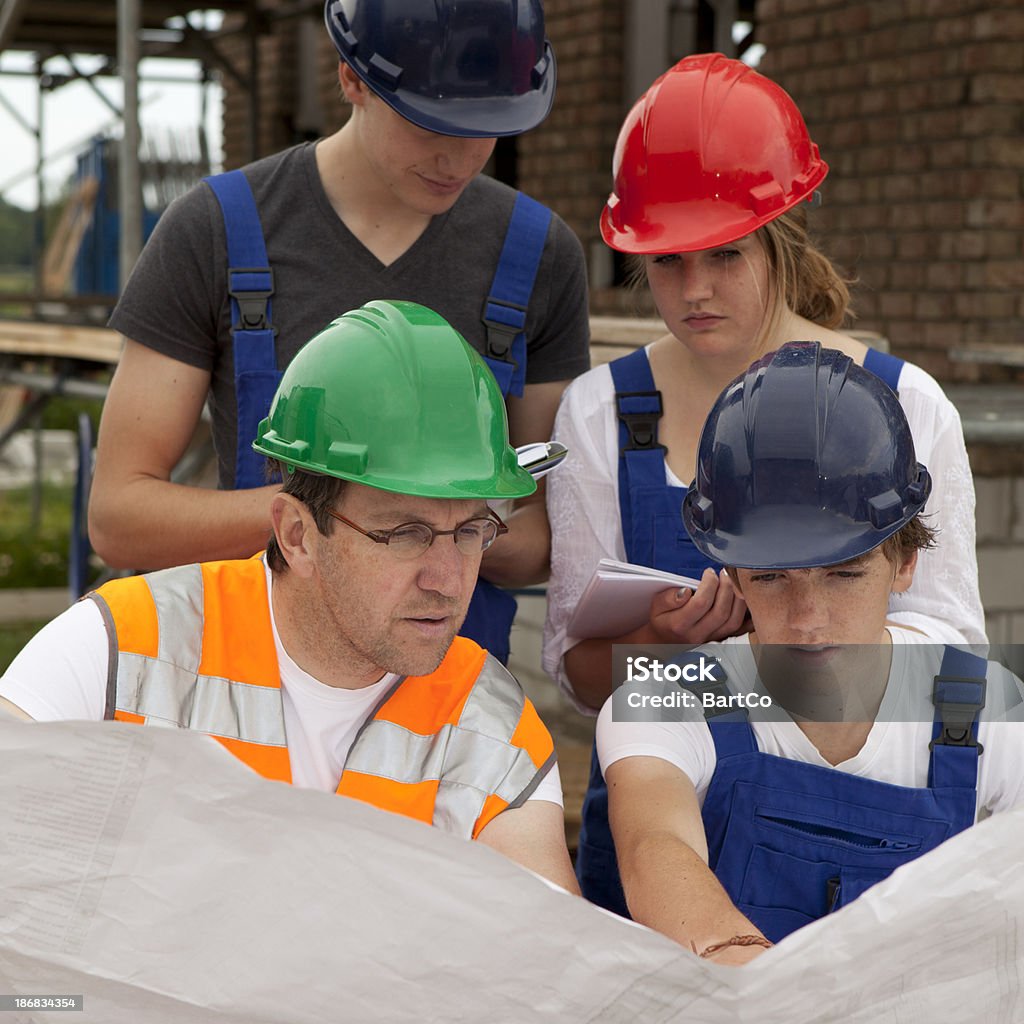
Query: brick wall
(566, 162)
(916, 104)
(282, 61)
(276, 52)
(1000, 523)
(917, 107)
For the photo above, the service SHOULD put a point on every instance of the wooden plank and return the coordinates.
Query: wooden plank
(62, 341)
(993, 355)
(622, 330)
(12, 398)
(615, 336)
(635, 331)
(62, 250)
(990, 414)
(610, 337)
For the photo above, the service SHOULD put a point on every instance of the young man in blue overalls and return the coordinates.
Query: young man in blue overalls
(247, 266)
(735, 823)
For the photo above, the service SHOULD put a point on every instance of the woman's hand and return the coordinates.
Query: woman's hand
(714, 611)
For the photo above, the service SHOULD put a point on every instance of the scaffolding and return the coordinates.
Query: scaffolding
(123, 33)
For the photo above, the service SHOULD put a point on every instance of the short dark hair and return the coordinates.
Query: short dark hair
(317, 492)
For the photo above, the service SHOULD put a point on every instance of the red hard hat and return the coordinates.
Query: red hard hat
(708, 154)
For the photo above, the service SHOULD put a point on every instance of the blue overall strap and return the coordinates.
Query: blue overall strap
(959, 696)
(250, 285)
(505, 308)
(730, 727)
(732, 734)
(885, 367)
(641, 458)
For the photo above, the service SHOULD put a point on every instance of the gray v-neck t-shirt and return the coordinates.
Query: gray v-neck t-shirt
(176, 301)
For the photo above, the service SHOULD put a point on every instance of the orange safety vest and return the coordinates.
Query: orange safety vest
(192, 647)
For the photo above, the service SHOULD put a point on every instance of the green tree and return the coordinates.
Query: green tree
(16, 227)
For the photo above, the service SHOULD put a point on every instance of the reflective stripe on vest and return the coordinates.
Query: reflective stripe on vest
(485, 753)
(192, 647)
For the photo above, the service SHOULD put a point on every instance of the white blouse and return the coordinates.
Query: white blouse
(583, 508)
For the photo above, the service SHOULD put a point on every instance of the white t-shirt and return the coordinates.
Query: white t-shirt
(583, 507)
(895, 751)
(62, 674)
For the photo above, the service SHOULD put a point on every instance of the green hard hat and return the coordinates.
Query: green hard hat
(391, 396)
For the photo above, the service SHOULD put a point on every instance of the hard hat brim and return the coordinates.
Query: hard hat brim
(475, 118)
(471, 117)
(512, 482)
(690, 225)
(791, 537)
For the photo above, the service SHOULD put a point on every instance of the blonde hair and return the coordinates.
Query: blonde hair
(802, 277)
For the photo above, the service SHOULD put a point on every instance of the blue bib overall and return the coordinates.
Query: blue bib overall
(653, 534)
(250, 287)
(791, 842)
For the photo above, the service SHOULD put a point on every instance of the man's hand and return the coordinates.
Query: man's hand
(523, 556)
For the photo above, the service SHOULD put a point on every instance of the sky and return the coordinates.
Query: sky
(73, 114)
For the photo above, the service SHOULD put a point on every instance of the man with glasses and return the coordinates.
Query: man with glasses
(332, 662)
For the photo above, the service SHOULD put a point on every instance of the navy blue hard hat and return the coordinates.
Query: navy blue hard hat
(805, 460)
(473, 68)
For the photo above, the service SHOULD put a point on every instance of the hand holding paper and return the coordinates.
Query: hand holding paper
(621, 597)
(714, 611)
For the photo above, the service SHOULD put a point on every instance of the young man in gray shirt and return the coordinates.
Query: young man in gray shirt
(393, 205)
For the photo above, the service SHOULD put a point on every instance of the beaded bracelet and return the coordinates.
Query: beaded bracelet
(736, 940)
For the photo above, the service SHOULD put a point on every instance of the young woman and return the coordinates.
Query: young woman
(714, 170)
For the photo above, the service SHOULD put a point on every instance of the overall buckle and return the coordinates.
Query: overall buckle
(958, 699)
(252, 302)
(642, 426)
(501, 333)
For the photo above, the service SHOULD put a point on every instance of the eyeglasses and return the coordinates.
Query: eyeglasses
(410, 540)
